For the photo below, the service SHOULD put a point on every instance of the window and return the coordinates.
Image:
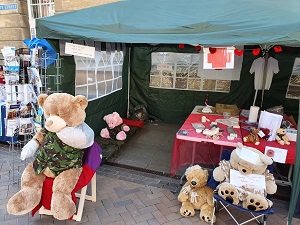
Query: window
(100, 76)
(293, 90)
(38, 9)
(185, 71)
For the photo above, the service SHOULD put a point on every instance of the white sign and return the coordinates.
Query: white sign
(80, 50)
(248, 155)
(251, 181)
(277, 154)
(222, 58)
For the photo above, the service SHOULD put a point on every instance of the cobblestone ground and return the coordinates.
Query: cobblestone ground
(124, 196)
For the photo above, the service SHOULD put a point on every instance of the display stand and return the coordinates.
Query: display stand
(25, 78)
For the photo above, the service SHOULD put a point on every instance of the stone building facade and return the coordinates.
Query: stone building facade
(14, 23)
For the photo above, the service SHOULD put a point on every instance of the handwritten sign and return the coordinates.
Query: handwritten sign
(80, 50)
(165, 67)
(252, 181)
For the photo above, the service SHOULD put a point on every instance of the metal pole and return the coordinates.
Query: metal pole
(264, 76)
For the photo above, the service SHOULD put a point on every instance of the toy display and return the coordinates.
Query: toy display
(252, 137)
(195, 195)
(60, 146)
(246, 196)
(281, 137)
(115, 127)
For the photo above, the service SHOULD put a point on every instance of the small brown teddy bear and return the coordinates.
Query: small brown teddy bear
(281, 137)
(252, 137)
(195, 195)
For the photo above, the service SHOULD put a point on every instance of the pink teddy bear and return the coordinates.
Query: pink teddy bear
(115, 128)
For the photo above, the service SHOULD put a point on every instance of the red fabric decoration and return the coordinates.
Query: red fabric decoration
(256, 51)
(181, 46)
(266, 132)
(198, 48)
(85, 177)
(212, 50)
(238, 53)
(277, 48)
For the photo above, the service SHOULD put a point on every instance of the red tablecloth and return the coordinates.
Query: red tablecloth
(207, 151)
(290, 158)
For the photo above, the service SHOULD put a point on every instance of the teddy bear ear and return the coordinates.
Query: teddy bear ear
(41, 99)
(115, 114)
(266, 159)
(81, 100)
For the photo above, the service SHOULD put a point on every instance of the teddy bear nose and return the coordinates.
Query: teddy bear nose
(194, 183)
(244, 171)
(49, 123)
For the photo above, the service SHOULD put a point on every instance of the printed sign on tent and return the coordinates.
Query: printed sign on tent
(80, 50)
(221, 58)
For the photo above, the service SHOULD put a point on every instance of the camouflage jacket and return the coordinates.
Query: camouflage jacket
(114, 131)
(56, 155)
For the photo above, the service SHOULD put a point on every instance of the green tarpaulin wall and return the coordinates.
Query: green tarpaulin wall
(173, 106)
(96, 109)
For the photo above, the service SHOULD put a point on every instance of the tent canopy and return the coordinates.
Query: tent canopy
(213, 22)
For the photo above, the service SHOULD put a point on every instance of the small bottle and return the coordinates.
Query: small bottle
(206, 101)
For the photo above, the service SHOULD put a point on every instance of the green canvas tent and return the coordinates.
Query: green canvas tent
(216, 22)
(209, 23)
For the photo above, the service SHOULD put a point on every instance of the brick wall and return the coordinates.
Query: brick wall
(15, 25)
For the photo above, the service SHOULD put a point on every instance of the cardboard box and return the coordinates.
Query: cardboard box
(232, 109)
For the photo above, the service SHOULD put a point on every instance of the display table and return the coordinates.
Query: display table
(291, 150)
(196, 147)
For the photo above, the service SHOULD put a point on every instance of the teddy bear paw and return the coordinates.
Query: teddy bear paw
(229, 193)
(206, 219)
(255, 204)
(188, 213)
(121, 136)
(23, 202)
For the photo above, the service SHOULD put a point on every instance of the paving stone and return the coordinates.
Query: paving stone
(124, 196)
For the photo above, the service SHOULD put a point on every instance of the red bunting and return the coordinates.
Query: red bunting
(256, 51)
(238, 53)
(198, 48)
(212, 50)
(277, 48)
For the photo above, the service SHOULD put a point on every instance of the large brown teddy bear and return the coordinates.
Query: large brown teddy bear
(246, 197)
(60, 146)
(195, 195)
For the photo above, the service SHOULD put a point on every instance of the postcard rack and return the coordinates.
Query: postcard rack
(26, 76)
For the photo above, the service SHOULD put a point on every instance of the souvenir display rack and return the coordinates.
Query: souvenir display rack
(25, 72)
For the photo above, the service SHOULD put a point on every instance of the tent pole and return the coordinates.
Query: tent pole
(264, 76)
(296, 179)
(128, 85)
(255, 97)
